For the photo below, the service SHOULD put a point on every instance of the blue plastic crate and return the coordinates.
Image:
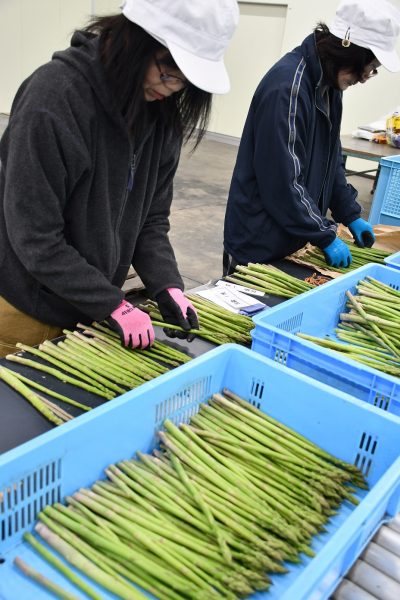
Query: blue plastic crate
(385, 208)
(317, 313)
(393, 260)
(60, 461)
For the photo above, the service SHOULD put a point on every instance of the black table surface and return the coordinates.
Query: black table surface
(20, 422)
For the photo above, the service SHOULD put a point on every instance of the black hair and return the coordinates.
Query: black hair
(127, 51)
(335, 57)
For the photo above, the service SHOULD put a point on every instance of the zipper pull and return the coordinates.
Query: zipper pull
(132, 169)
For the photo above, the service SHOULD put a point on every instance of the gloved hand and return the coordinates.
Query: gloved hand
(362, 233)
(337, 254)
(177, 310)
(132, 325)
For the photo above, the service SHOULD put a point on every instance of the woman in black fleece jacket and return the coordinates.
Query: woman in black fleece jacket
(87, 167)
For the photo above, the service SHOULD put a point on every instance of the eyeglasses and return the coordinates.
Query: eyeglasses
(172, 81)
(372, 73)
(368, 74)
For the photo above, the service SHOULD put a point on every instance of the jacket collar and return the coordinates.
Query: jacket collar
(309, 51)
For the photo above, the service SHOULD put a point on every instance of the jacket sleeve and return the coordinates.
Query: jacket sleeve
(44, 162)
(154, 258)
(282, 125)
(343, 204)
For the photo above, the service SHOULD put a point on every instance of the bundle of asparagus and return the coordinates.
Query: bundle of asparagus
(220, 326)
(217, 325)
(93, 360)
(269, 279)
(370, 331)
(361, 257)
(48, 409)
(227, 499)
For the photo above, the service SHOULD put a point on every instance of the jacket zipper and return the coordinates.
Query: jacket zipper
(132, 169)
(129, 188)
(329, 155)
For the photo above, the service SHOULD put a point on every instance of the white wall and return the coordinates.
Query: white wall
(31, 30)
(255, 47)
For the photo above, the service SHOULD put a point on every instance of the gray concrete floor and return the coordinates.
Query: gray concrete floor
(198, 209)
(197, 215)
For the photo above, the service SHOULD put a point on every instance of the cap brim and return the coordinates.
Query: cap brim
(389, 60)
(208, 75)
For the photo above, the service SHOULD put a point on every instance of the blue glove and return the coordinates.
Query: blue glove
(337, 254)
(362, 233)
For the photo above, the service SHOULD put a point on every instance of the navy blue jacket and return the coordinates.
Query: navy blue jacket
(289, 169)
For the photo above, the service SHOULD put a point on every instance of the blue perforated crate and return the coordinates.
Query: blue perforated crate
(317, 313)
(393, 260)
(385, 208)
(57, 463)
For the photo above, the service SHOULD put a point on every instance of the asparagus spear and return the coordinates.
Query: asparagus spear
(56, 562)
(52, 587)
(88, 567)
(196, 494)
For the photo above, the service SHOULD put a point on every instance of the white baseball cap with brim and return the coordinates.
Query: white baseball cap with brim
(196, 33)
(372, 24)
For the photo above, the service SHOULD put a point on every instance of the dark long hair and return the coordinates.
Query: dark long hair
(334, 56)
(127, 51)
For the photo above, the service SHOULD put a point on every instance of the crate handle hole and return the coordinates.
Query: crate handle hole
(257, 390)
(2, 560)
(255, 403)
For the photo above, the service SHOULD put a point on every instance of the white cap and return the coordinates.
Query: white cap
(372, 24)
(196, 32)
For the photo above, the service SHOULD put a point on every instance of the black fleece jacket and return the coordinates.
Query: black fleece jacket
(79, 200)
(289, 167)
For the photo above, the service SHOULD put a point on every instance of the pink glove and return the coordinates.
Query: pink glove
(132, 325)
(177, 310)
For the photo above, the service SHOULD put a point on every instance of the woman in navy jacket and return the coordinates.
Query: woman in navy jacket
(289, 168)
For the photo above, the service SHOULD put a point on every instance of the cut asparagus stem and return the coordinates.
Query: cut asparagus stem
(57, 563)
(46, 583)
